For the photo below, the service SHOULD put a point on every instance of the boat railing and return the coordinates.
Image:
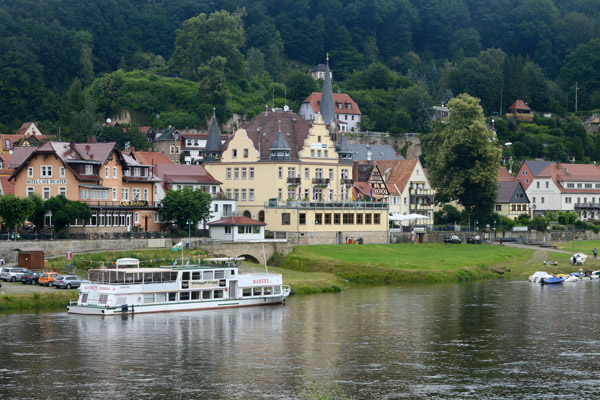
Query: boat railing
(73, 302)
(286, 290)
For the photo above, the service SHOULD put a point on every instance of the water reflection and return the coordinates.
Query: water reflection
(489, 340)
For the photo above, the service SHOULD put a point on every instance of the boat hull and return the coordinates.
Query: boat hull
(173, 307)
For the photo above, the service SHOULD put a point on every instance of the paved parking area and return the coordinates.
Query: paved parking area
(19, 288)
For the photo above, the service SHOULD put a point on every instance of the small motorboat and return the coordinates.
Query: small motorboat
(578, 258)
(552, 280)
(550, 262)
(538, 276)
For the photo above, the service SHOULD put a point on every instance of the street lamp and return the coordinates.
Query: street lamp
(15, 234)
(475, 225)
(494, 229)
(189, 224)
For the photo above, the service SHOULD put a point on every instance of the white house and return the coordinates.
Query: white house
(567, 187)
(347, 113)
(237, 229)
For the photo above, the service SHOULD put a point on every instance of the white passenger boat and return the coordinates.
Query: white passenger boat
(216, 283)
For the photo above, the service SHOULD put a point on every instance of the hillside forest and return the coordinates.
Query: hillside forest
(71, 64)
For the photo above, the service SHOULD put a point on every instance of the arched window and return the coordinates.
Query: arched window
(261, 216)
(247, 214)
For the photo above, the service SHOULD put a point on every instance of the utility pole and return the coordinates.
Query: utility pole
(576, 89)
(500, 102)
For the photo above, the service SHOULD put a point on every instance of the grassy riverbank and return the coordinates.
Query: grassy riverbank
(36, 301)
(397, 263)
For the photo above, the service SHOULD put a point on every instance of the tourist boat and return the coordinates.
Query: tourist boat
(215, 283)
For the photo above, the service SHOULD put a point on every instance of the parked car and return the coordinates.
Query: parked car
(67, 281)
(48, 278)
(449, 227)
(31, 278)
(474, 239)
(452, 239)
(13, 274)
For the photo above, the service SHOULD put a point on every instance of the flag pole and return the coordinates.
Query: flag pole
(182, 252)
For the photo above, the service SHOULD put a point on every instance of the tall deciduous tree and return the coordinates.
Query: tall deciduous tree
(180, 206)
(65, 211)
(463, 159)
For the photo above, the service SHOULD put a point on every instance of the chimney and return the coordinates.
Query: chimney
(72, 145)
(132, 149)
(92, 139)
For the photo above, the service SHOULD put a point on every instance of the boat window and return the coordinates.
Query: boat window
(196, 275)
(161, 297)
(103, 299)
(219, 274)
(232, 272)
(185, 276)
(277, 290)
(184, 296)
(195, 295)
(173, 276)
(148, 277)
(218, 294)
(173, 296)
(268, 291)
(257, 291)
(156, 276)
(149, 298)
(84, 298)
(207, 275)
(247, 292)
(206, 295)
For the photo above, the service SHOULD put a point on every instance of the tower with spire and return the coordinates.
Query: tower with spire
(214, 147)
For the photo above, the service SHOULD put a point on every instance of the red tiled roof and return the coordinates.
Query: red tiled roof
(396, 173)
(26, 126)
(13, 139)
(315, 102)
(519, 105)
(504, 176)
(19, 155)
(150, 157)
(8, 187)
(235, 221)
(179, 173)
(572, 173)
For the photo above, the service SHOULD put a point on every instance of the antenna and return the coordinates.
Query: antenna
(273, 96)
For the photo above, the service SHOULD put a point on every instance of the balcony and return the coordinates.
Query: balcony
(587, 206)
(347, 182)
(329, 205)
(293, 181)
(126, 204)
(320, 181)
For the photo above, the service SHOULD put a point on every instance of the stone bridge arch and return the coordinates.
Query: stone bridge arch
(254, 251)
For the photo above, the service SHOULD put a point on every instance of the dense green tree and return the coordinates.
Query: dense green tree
(462, 158)
(255, 62)
(299, 85)
(202, 38)
(180, 206)
(14, 211)
(65, 211)
(478, 80)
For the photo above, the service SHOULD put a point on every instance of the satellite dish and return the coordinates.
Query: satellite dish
(369, 154)
(286, 108)
(10, 152)
(108, 120)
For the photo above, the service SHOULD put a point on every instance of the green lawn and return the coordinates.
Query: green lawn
(393, 263)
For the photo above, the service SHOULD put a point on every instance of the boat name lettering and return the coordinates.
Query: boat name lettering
(259, 281)
(204, 283)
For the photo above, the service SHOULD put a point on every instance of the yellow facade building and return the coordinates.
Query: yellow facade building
(287, 172)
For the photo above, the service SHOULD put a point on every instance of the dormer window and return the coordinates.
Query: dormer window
(136, 171)
(349, 106)
(7, 143)
(340, 105)
(89, 169)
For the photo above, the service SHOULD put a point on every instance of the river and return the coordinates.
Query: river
(482, 340)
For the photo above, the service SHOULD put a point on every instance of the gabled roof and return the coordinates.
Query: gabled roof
(536, 166)
(19, 155)
(342, 146)
(519, 105)
(236, 221)
(280, 143)
(263, 130)
(397, 174)
(8, 187)
(165, 135)
(184, 174)
(315, 102)
(150, 157)
(506, 191)
(26, 125)
(378, 152)
(504, 176)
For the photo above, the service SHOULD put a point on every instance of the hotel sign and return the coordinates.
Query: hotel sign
(138, 203)
(46, 182)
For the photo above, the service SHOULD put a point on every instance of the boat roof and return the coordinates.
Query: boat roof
(133, 270)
